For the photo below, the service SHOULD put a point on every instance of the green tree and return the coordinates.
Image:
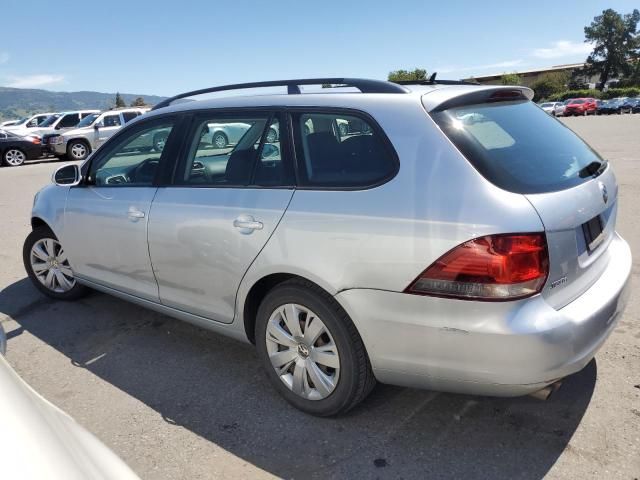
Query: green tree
(616, 44)
(510, 79)
(120, 101)
(417, 74)
(138, 102)
(550, 83)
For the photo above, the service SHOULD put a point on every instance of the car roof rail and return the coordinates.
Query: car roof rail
(293, 87)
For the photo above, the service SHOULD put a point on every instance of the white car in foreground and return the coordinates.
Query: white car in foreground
(39, 441)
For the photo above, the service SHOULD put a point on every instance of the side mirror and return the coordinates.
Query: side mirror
(96, 127)
(67, 176)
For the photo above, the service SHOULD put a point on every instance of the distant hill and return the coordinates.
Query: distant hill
(20, 102)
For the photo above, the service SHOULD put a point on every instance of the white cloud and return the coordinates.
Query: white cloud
(4, 57)
(33, 81)
(487, 66)
(563, 48)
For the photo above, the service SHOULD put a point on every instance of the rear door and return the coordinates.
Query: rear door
(208, 225)
(518, 148)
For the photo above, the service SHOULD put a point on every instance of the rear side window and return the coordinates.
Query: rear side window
(337, 150)
(518, 147)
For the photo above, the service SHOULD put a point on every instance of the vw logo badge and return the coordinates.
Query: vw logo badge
(603, 189)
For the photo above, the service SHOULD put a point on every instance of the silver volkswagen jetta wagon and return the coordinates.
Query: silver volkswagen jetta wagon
(437, 235)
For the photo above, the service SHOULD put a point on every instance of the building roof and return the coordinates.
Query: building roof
(554, 68)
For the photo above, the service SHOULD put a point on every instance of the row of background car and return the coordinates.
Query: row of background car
(69, 135)
(592, 106)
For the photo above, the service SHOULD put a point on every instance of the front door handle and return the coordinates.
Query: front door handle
(134, 214)
(247, 224)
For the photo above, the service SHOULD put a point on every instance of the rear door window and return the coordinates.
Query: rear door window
(518, 147)
(338, 150)
(235, 150)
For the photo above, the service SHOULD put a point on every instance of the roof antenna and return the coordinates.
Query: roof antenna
(432, 78)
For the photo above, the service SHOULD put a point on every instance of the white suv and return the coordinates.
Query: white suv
(90, 133)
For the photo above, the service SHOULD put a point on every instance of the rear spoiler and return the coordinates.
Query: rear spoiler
(445, 98)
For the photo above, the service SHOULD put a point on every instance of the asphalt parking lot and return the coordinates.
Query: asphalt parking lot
(175, 401)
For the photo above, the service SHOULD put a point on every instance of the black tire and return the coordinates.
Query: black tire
(39, 233)
(71, 155)
(223, 140)
(356, 377)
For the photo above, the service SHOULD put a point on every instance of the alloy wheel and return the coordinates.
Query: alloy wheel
(51, 266)
(79, 151)
(303, 352)
(14, 157)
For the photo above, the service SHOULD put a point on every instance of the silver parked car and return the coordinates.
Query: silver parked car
(38, 440)
(550, 107)
(454, 237)
(57, 123)
(92, 131)
(28, 125)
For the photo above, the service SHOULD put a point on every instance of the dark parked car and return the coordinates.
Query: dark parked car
(628, 105)
(610, 106)
(14, 149)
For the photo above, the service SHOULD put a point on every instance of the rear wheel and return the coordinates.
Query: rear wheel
(48, 267)
(311, 350)
(14, 157)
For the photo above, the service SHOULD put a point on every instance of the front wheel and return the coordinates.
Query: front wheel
(311, 350)
(14, 157)
(78, 150)
(48, 267)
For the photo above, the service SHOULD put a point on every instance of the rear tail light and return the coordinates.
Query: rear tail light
(490, 268)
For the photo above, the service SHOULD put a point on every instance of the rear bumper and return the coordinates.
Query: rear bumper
(488, 348)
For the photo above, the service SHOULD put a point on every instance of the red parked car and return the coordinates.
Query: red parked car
(581, 106)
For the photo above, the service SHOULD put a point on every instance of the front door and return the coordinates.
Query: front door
(105, 228)
(208, 226)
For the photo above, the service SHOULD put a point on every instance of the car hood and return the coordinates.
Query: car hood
(38, 440)
(77, 131)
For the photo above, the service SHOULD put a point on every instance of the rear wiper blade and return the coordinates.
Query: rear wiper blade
(594, 169)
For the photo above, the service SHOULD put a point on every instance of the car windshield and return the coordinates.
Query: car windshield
(518, 147)
(566, 102)
(88, 121)
(547, 105)
(50, 120)
(573, 102)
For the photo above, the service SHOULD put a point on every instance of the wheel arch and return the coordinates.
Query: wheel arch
(259, 291)
(37, 222)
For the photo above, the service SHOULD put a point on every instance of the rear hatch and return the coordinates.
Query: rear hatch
(519, 148)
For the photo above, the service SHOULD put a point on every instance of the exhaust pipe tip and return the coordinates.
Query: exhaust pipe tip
(544, 393)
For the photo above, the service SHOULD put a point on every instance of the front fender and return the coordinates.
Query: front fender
(48, 206)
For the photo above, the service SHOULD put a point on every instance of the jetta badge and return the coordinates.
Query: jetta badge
(603, 189)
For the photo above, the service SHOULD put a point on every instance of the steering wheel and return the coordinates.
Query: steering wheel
(145, 171)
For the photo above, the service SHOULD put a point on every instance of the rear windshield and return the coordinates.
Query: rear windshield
(518, 147)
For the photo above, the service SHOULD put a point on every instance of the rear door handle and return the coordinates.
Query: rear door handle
(134, 214)
(247, 224)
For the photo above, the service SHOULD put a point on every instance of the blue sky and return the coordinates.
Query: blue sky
(163, 47)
